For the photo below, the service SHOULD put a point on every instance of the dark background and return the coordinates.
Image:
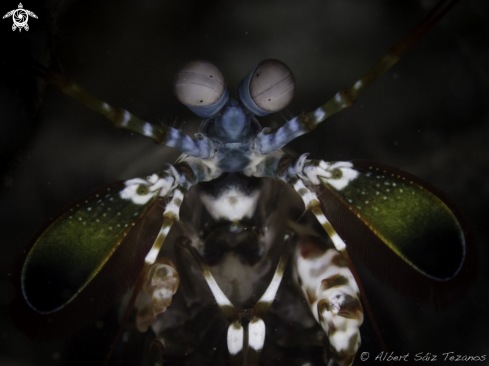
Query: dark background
(428, 115)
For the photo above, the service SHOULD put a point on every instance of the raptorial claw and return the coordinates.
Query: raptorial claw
(333, 297)
(160, 285)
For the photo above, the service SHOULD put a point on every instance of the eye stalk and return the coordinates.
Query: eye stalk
(268, 88)
(201, 86)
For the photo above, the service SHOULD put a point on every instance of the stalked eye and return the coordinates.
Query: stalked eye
(268, 88)
(201, 86)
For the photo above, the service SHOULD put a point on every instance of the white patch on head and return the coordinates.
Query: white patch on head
(235, 338)
(256, 334)
(232, 204)
(347, 175)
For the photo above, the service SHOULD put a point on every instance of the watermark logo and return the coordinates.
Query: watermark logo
(20, 17)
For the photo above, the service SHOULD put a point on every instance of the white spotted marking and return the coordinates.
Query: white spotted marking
(148, 129)
(125, 118)
(256, 334)
(335, 238)
(173, 207)
(131, 191)
(322, 219)
(319, 115)
(153, 178)
(164, 185)
(309, 196)
(235, 338)
(314, 172)
(348, 174)
(338, 242)
(165, 230)
(151, 256)
(153, 253)
(294, 124)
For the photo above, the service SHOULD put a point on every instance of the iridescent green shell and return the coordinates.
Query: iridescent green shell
(87, 257)
(401, 227)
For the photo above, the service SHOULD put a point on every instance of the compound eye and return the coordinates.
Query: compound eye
(268, 88)
(201, 86)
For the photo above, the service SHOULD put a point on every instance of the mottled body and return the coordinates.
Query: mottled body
(231, 238)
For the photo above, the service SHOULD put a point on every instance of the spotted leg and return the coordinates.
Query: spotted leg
(333, 296)
(165, 135)
(161, 278)
(160, 284)
(133, 191)
(303, 174)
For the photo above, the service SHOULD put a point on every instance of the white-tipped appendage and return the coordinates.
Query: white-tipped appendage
(133, 193)
(272, 288)
(347, 175)
(256, 334)
(235, 338)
